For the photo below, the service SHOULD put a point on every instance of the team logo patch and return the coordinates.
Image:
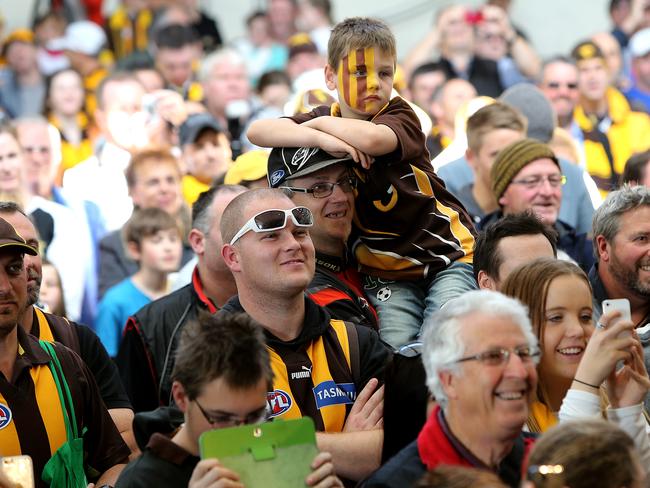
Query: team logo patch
(330, 393)
(278, 402)
(384, 294)
(277, 176)
(302, 157)
(5, 416)
(305, 372)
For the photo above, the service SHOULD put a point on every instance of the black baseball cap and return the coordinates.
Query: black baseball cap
(9, 239)
(286, 163)
(194, 125)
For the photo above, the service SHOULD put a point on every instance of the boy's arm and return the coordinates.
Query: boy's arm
(368, 137)
(286, 133)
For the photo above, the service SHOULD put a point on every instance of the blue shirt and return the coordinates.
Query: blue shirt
(119, 303)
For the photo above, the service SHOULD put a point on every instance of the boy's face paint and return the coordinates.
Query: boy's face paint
(364, 81)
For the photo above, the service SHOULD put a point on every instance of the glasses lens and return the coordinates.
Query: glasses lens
(322, 190)
(348, 184)
(302, 215)
(271, 219)
(496, 357)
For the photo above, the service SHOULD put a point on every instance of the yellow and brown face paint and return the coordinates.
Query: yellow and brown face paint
(357, 73)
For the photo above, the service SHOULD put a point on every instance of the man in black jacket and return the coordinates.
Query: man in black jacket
(146, 355)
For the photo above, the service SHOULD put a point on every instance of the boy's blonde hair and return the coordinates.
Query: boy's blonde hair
(359, 33)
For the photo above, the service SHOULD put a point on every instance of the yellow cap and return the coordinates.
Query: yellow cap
(250, 166)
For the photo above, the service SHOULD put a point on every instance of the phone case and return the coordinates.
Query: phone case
(272, 455)
(620, 304)
(19, 469)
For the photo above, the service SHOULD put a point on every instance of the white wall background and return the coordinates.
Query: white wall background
(553, 26)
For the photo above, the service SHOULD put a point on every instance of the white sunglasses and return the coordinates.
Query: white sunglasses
(275, 219)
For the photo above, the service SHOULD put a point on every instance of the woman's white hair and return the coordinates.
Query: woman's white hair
(441, 340)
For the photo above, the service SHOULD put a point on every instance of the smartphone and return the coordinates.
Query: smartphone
(622, 305)
(18, 469)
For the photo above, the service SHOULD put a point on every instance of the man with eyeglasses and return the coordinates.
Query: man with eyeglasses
(480, 357)
(325, 185)
(324, 368)
(526, 176)
(559, 83)
(220, 379)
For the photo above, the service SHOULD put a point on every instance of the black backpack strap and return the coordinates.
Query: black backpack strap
(355, 355)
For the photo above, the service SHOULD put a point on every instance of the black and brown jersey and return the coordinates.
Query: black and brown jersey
(407, 225)
(31, 415)
(320, 373)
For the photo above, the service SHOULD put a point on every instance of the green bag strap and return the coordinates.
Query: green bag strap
(59, 378)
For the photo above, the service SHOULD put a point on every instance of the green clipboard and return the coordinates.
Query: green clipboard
(275, 454)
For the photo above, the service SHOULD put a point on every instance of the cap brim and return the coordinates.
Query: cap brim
(19, 247)
(318, 166)
(193, 133)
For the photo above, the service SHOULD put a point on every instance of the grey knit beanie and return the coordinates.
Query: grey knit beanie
(532, 103)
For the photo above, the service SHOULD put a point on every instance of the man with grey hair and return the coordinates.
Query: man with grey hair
(621, 237)
(227, 93)
(147, 352)
(480, 357)
(41, 143)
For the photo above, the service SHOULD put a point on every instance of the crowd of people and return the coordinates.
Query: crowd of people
(199, 233)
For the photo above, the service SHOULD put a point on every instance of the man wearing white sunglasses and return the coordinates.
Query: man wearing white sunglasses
(323, 368)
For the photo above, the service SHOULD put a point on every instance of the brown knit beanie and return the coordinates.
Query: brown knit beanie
(513, 158)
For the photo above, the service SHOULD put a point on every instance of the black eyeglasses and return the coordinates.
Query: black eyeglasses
(275, 219)
(323, 190)
(555, 85)
(222, 419)
(498, 357)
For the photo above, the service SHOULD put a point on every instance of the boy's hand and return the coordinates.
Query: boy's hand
(323, 475)
(208, 473)
(340, 149)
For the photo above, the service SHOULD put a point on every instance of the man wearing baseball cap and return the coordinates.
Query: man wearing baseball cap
(206, 153)
(324, 184)
(639, 93)
(526, 176)
(611, 131)
(31, 411)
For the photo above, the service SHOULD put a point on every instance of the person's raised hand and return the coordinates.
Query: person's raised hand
(323, 475)
(209, 473)
(611, 341)
(630, 384)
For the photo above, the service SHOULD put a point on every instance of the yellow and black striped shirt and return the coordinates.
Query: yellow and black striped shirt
(31, 416)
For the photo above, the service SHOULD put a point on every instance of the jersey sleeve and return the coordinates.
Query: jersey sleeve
(401, 119)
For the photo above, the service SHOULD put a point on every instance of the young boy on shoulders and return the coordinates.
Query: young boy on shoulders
(413, 239)
(153, 239)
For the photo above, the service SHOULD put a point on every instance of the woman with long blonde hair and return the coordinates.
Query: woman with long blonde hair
(578, 365)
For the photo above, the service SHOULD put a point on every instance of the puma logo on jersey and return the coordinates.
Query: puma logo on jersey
(304, 373)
